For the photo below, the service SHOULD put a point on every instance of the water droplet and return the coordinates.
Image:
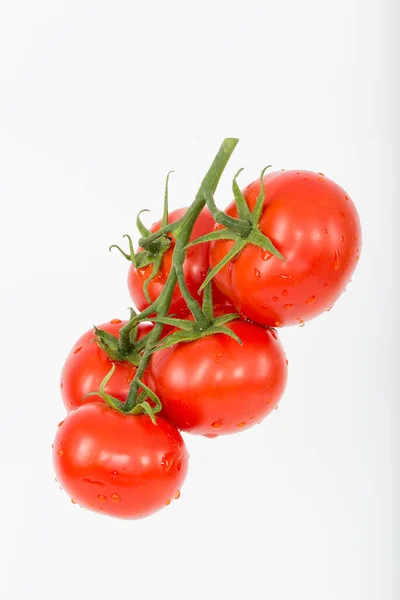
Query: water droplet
(285, 293)
(305, 179)
(73, 501)
(336, 265)
(101, 508)
(330, 308)
(241, 424)
(346, 197)
(87, 480)
(301, 323)
(251, 418)
(342, 238)
(265, 255)
(355, 237)
(320, 179)
(115, 497)
(297, 172)
(285, 276)
(218, 356)
(287, 362)
(210, 435)
(288, 306)
(322, 175)
(311, 299)
(129, 378)
(274, 334)
(342, 215)
(278, 323)
(52, 445)
(257, 273)
(114, 474)
(62, 385)
(276, 407)
(78, 349)
(275, 299)
(101, 498)
(167, 461)
(216, 424)
(60, 452)
(168, 502)
(325, 231)
(60, 423)
(115, 321)
(357, 258)
(177, 495)
(179, 465)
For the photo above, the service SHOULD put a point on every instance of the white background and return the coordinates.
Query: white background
(98, 101)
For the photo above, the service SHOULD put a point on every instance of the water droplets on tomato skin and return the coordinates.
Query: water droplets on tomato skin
(216, 424)
(301, 322)
(101, 498)
(177, 495)
(168, 502)
(179, 465)
(115, 497)
(288, 306)
(274, 334)
(60, 452)
(257, 273)
(242, 424)
(73, 501)
(78, 349)
(310, 300)
(278, 323)
(218, 356)
(336, 265)
(265, 255)
(60, 423)
(275, 299)
(115, 321)
(167, 461)
(342, 238)
(285, 293)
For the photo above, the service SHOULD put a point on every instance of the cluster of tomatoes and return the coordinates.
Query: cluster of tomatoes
(128, 465)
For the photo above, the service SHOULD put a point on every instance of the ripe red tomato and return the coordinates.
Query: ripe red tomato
(315, 225)
(195, 268)
(87, 365)
(215, 386)
(122, 465)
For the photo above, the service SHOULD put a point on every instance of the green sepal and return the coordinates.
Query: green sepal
(258, 208)
(112, 402)
(241, 204)
(219, 234)
(143, 406)
(144, 232)
(234, 251)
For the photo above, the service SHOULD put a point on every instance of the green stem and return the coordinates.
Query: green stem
(182, 231)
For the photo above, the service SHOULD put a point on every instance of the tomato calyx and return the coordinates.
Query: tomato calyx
(188, 330)
(126, 347)
(242, 231)
(141, 405)
(154, 245)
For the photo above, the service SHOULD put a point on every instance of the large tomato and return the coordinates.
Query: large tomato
(314, 224)
(122, 465)
(215, 386)
(87, 365)
(195, 267)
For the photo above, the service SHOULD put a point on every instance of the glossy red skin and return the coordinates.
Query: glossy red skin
(214, 386)
(315, 225)
(120, 465)
(195, 268)
(87, 365)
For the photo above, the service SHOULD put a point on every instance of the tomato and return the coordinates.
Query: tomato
(315, 225)
(214, 386)
(87, 365)
(122, 465)
(195, 268)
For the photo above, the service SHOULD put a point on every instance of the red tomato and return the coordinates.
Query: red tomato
(195, 268)
(215, 386)
(122, 465)
(87, 365)
(315, 225)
